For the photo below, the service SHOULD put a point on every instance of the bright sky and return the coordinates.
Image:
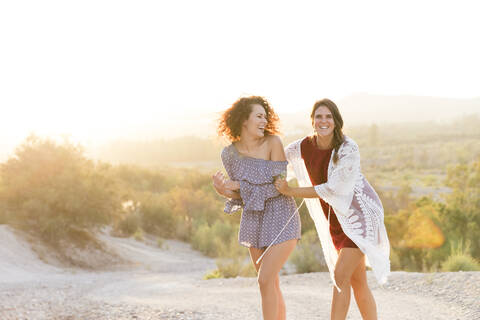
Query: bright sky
(103, 69)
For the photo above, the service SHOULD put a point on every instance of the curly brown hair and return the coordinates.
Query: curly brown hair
(338, 136)
(232, 119)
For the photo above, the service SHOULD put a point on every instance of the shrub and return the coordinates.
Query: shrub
(205, 241)
(138, 235)
(395, 263)
(53, 189)
(308, 256)
(229, 268)
(248, 270)
(162, 244)
(233, 267)
(217, 240)
(190, 207)
(224, 231)
(4, 216)
(460, 262)
(129, 224)
(215, 274)
(156, 218)
(460, 259)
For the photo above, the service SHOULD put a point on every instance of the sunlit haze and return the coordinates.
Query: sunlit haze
(100, 70)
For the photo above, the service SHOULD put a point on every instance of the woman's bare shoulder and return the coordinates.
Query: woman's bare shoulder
(274, 141)
(276, 148)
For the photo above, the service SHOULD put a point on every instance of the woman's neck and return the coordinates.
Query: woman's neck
(324, 142)
(248, 143)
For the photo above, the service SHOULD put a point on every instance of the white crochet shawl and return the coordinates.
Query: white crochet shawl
(356, 204)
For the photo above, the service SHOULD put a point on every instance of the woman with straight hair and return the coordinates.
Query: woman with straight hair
(347, 211)
(269, 219)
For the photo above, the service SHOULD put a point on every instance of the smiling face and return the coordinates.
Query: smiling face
(256, 122)
(323, 122)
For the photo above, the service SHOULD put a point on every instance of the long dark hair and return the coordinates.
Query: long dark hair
(338, 136)
(231, 120)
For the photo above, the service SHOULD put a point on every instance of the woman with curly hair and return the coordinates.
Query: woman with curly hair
(269, 219)
(347, 211)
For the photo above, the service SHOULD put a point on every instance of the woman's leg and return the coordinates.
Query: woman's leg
(255, 253)
(362, 293)
(348, 260)
(282, 310)
(268, 279)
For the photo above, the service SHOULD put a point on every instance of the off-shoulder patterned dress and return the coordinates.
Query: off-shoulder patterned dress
(265, 210)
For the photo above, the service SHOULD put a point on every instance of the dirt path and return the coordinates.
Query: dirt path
(167, 284)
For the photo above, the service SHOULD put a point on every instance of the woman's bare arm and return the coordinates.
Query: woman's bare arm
(299, 192)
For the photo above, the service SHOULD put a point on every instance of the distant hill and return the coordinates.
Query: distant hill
(376, 108)
(362, 108)
(357, 109)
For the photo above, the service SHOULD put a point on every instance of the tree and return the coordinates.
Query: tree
(461, 215)
(52, 190)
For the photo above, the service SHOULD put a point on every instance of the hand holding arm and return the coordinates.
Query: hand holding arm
(224, 187)
(305, 192)
(232, 185)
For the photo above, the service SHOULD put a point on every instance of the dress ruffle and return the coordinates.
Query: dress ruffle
(256, 177)
(253, 170)
(233, 205)
(254, 196)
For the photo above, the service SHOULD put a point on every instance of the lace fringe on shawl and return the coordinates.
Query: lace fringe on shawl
(358, 207)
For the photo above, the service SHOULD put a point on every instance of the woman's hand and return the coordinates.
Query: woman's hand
(282, 186)
(232, 185)
(225, 187)
(219, 183)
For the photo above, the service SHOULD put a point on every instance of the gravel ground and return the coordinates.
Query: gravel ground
(167, 284)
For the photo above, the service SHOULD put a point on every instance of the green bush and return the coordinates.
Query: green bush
(308, 256)
(224, 231)
(460, 258)
(394, 260)
(53, 189)
(460, 262)
(4, 216)
(192, 207)
(231, 268)
(162, 244)
(206, 241)
(248, 270)
(219, 240)
(129, 224)
(215, 274)
(156, 218)
(138, 235)
(142, 179)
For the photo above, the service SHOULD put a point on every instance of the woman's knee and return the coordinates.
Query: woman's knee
(277, 282)
(265, 281)
(359, 286)
(342, 279)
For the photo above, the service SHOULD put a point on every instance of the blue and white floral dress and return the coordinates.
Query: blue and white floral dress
(265, 210)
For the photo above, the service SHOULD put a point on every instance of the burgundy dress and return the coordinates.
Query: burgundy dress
(317, 160)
